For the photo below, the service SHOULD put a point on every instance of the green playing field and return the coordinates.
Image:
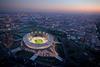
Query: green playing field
(38, 41)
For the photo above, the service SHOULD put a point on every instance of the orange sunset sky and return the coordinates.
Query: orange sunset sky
(52, 5)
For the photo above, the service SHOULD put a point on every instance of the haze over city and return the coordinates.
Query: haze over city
(52, 5)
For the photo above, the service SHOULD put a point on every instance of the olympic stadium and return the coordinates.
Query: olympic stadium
(38, 40)
(40, 44)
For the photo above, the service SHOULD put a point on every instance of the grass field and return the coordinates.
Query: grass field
(38, 41)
